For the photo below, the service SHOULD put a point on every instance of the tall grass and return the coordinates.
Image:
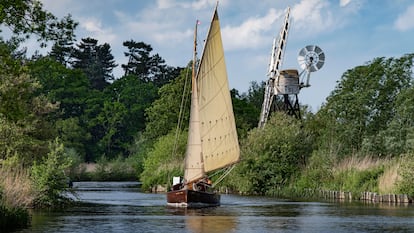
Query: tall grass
(359, 163)
(16, 187)
(118, 169)
(388, 181)
(355, 174)
(16, 195)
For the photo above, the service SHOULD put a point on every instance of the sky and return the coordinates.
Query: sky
(350, 32)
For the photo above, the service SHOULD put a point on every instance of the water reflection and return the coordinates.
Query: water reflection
(206, 220)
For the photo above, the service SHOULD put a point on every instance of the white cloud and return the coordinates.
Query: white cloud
(166, 4)
(343, 3)
(200, 4)
(312, 16)
(250, 34)
(405, 21)
(153, 27)
(173, 36)
(94, 29)
(195, 5)
(91, 25)
(61, 7)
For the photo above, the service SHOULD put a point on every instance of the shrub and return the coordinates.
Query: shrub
(162, 163)
(406, 172)
(358, 181)
(273, 156)
(318, 171)
(75, 170)
(49, 178)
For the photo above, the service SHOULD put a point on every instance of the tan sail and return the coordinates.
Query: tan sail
(212, 137)
(212, 140)
(220, 146)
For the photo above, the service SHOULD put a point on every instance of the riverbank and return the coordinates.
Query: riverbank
(369, 197)
(354, 178)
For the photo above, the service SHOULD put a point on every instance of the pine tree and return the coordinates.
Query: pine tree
(147, 67)
(61, 52)
(96, 61)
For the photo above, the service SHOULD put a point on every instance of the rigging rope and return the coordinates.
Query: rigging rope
(225, 171)
(181, 114)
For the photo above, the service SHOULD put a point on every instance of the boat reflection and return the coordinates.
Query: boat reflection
(200, 220)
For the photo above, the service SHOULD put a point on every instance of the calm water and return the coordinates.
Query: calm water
(121, 207)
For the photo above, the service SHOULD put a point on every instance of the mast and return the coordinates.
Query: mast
(194, 168)
(193, 74)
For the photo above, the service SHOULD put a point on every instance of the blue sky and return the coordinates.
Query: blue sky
(351, 33)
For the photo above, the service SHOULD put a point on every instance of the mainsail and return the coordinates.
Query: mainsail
(212, 140)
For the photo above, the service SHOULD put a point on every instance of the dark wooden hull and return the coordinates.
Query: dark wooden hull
(192, 199)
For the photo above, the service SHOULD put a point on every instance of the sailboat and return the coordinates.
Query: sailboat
(212, 142)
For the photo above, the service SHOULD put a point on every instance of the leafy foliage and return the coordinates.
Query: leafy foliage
(406, 171)
(110, 118)
(272, 156)
(23, 112)
(27, 17)
(318, 172)
(162, 115)
(163, 162)
(69, 88)
(49, 176)
(245, 111)
(73, 135)
(136, 96)
(364, 104)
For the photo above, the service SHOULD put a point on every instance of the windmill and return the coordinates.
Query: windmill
(283, 86)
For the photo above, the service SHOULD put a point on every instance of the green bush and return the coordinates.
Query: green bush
(271, 157)
(162, 163)
(405, 184)
(49, 178)
(75, 170)
(358, 181)
(101, 172)
(317, 172)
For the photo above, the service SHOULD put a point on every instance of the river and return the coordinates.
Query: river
(122, 207)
